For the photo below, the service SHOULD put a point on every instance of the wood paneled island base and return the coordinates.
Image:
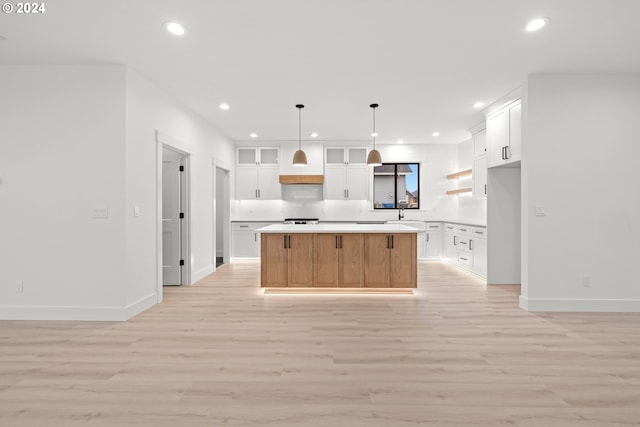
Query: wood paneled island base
(338, 258)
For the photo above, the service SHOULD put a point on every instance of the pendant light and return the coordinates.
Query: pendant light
(374, 158)
(299, 158)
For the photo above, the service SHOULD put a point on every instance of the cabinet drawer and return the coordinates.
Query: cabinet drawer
(462, 242)
(434, 226)
(463, 229)
(478, 232)
(451, 228)
(465, 259)
(247, 226)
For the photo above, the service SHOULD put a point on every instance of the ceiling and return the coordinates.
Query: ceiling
(424, 61)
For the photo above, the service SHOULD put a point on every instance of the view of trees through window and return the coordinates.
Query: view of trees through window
(396, 185)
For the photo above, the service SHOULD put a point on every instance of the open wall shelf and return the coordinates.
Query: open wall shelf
(458, 191)
(466, 172)
(460, 174)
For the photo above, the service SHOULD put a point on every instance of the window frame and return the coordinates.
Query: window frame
(395, 186)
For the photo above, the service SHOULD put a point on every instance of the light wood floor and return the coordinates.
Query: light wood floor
(220, 353)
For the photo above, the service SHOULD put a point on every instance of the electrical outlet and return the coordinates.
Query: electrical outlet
(19, 286)
(586, 281)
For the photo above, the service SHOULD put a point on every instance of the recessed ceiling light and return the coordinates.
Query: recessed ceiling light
(435, 134)
(224, 106)
(536, 24)
(253, 135)
(174, 28)
(478, 104)
(400, 141)
(314, 135)
(374, 134)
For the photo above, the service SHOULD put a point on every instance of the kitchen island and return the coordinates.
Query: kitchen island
(338, 257)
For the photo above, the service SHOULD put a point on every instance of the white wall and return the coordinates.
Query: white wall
(62, 149)
(437, 161)
(75, 138)
(580, 161)
(150, 109)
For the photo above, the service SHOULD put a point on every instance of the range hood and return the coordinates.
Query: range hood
(301, 179)
(302, 188)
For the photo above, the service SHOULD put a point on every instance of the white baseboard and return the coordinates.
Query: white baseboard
(202, 273)
(99, 314)
(141, 305)
(580, 305)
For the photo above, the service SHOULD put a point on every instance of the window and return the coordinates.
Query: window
(396, 185)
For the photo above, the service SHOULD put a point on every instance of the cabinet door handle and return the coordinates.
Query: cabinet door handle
(485, 189)
(347, 193)
(285, 241)
(391, 242)
(470, 246)
(502, 153)
(427, 237)
(454, 240)
(464, 259)
(255, 237)
(337, 241)
(340, 242)
(507, 152)
(244, 226)
(388, 243)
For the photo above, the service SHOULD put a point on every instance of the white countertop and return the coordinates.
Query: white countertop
(337, 228)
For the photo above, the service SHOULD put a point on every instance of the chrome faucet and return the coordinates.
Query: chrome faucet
(400, 213)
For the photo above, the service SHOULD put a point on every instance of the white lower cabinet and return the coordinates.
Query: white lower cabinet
(449, 245)
(433, 240)
(478, 247)
(466, 246)
(245, 240)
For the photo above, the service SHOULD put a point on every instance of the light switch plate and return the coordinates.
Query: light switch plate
(136, 211)
(540, 211)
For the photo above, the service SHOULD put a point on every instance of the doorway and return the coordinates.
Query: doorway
(174, 217)
(222, 216)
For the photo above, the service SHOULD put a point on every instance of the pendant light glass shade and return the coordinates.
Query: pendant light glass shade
(374, 158)
(299, 157)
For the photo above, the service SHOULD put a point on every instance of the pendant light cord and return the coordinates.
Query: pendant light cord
(374, 128)
(374, 106)
(299, 107)
(299, 128)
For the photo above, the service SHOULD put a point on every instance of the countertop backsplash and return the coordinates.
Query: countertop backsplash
(354, 210)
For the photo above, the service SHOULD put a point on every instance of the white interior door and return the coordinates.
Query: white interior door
(172, 227)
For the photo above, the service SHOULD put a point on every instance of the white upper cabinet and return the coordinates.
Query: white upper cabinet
(480, 143)
(257, 173)
(479, 177)
(346, 174)
(504, 135)
(255, 156)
